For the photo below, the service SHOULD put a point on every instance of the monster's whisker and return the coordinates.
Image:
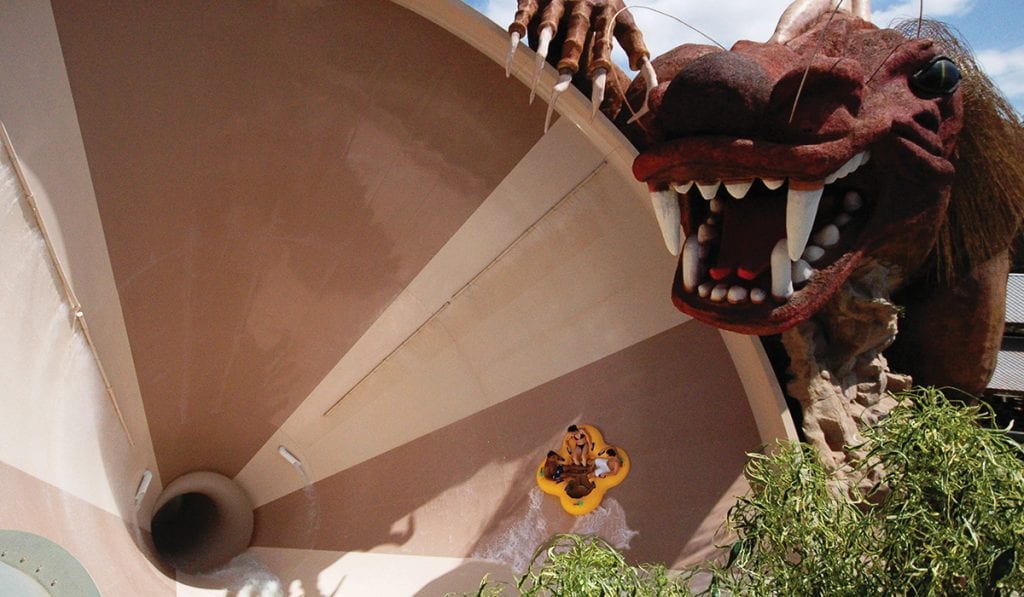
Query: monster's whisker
(882, 63)
(611, 22)
(650, 77)
(920, 18)
(810, 61)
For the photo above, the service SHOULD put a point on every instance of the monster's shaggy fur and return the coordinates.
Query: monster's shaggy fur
(987, 203)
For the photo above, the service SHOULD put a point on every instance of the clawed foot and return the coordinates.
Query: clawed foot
(591, 25)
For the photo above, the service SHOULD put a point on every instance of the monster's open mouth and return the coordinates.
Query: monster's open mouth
(751, 244)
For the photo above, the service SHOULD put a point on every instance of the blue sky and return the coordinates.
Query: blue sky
(993, 28)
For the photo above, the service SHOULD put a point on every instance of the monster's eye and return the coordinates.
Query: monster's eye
(940, 77)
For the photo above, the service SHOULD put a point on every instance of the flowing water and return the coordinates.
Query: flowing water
(515, 547)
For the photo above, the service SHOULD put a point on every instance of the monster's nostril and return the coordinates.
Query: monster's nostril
(718, 93)
(815, 103)
(928, 120)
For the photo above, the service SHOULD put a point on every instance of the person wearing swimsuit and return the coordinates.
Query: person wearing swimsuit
(578, 445)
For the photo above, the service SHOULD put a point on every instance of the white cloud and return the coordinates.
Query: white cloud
(499, 11)
(725, 21)
(1006, 68)
(884, 14)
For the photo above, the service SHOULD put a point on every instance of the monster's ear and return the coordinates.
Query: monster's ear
(801, 14)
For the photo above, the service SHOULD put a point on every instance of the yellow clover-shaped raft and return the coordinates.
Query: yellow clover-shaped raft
(587, 503)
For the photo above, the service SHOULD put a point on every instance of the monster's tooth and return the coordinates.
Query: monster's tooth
(852, 201)
(801, 208)
(842, 219)
(856, 162)
(865, 156)
(842, 172)
(757, 296)
(736, 295)
(813, 253)
(691, 264)
(666, 209)
(706, 233)
(712, 220)
(719, 292)
(773, 183)
(739, 189)
(802, 271)
(782, 274)
(848, 168)
(682, 187)
(705, 289)
(827, 236)
(716, 206)
(708, 190)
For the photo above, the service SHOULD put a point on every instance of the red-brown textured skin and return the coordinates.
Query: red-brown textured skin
(720, 115)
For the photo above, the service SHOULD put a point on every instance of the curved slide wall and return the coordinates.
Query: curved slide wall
(338, 229)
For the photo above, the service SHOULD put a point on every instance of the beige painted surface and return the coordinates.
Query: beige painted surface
(544, 206)
(102, 542)
(468, 490)
(579, 285)
(767, 402)
(37, 109)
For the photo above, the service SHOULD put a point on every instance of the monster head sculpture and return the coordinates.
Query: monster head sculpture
(788, 162)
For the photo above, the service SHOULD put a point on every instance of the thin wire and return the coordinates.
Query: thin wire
(920, 19)
(611, 22)
(615, 17)
(882, 63)
(817, 50)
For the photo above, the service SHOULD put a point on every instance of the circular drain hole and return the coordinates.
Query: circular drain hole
(183, 524)
(202, 520)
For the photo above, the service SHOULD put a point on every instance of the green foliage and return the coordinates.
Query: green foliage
(954, 518)
(585, 566)
(793, 536)
(949, 519)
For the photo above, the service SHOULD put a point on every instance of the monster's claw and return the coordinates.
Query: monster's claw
(513, 44)
(651, 79)
(564, 79)
(597, 90)
(544, 42)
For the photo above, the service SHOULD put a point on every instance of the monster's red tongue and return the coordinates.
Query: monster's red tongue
(749, 230)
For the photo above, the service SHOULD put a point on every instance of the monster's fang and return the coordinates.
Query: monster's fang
(712, 265)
